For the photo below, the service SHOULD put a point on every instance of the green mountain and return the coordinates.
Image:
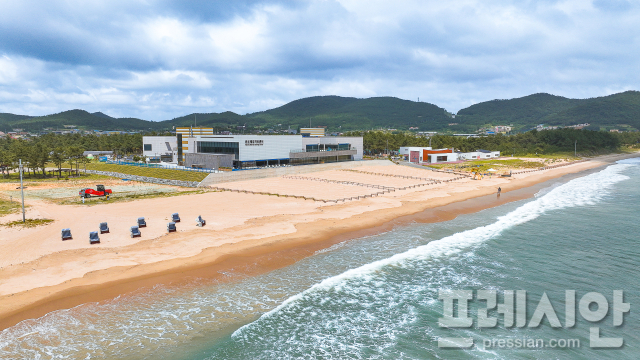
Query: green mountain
(215, 120)
(102, 115)
(619, 110)
(7, 121)
(344, 113)
(79, 118)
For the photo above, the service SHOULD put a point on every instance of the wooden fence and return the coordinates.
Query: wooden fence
(549, 167)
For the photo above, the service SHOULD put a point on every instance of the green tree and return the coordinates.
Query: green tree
(40, 155)
(58, 157)
(75, 153)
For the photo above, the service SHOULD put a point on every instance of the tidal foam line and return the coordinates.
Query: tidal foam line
(583, 191)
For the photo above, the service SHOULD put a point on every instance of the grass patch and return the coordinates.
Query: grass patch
(125, 197)
(8, 207)
(15, 178)
(169, 174)
(29, 223)
(501, 165)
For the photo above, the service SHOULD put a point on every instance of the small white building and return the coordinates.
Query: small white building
(160, 148)
(441, 157)
(416, 154)
(413, 153)
(479, 155)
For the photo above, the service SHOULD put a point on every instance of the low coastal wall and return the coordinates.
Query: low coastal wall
(145, 178)
(229, 176)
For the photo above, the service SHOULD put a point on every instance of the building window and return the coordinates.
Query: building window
(441, 158)
(218, 147)
(327, 147)
(147, 147)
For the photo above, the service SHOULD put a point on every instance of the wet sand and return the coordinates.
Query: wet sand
(261, 243)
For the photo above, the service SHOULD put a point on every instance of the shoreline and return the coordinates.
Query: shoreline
(260, 255)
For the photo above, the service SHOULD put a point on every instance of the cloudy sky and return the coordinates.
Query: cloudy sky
(156, 59)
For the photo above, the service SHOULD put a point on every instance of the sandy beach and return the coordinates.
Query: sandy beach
(246, 232)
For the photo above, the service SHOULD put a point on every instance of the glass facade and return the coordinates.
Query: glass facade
(218, 147)
(327, 147)
(320, 160)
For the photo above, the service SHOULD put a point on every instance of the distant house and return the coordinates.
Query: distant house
(416, 154)
(96, 153)
(502, 129)
(479, 155)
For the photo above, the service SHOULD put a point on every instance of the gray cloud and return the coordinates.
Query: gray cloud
(160, 59)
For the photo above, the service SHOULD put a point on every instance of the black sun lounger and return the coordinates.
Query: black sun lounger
(93, 238)
(200, 221)
(104, 228)
(141, 222)
(171, 227)
(175, 217)
(135, 231)
(66, 234)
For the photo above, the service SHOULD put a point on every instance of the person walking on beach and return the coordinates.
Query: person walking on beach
(499, 190)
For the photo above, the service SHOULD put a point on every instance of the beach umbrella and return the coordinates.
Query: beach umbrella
(492, 169)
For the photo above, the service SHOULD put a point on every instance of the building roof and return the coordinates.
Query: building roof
(97, 153)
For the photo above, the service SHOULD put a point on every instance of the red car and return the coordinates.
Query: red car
(100, 191)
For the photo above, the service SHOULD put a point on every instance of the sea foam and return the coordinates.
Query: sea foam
(583, 191)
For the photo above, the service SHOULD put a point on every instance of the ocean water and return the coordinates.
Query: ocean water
(378, 297)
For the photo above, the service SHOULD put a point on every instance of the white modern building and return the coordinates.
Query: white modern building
(428, 155)
(251, 151)
(479, 155)
(413, 154)
(160, 148)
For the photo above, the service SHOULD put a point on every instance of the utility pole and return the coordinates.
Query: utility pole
(22, 191)
(575, 149)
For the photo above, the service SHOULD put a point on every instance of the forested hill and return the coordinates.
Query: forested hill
(80, 118)
(620, 110)
(345, 113)
(335, 112)
(223, 120)
(614, 111)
